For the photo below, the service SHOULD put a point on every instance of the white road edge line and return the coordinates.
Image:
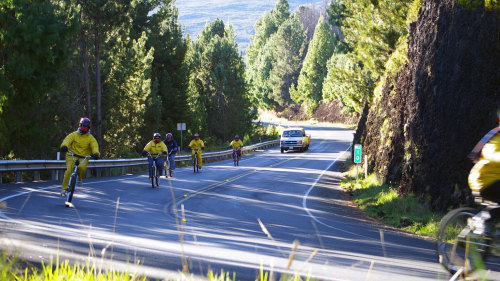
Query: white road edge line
(304, 199)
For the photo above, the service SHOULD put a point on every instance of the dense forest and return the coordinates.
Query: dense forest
(125, 64)
(421, 76)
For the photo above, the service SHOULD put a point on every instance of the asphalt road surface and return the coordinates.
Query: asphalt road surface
(281, 213)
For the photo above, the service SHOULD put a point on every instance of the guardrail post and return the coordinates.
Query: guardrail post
(124, 170)
(19, 176)
(98, 172)
(1, 178)
(58, 176)
(36, 175)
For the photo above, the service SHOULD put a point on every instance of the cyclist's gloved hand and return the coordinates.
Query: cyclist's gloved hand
(64, 149)
(202, 148)
(94, 156)
(164, 152)
(144, 153)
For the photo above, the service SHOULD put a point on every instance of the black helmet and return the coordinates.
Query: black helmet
(236, 137)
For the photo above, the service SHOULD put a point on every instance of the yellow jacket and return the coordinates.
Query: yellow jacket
(487, 170)
(156, 148)
(80, 144)
(236, 144)
(195, 144)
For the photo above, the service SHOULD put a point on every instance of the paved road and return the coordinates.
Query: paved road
(238, 219)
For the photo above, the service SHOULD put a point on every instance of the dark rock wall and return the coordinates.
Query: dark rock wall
(419, 131)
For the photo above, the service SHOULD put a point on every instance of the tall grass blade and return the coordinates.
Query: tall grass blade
(185, 268)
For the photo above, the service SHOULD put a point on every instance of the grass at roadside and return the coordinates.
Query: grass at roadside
(382, 202)
(12, 269)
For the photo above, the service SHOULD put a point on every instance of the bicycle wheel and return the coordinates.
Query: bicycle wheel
(235, 159)
(238, 160)
(195, 162)
(157, 180)
(459, 249)
(153, 175)
(71, 186)
(167, 167)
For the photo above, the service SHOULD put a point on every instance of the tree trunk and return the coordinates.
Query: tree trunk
(86, 79)
(98, 122)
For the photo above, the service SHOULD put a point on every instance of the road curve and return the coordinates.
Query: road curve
(239, 219)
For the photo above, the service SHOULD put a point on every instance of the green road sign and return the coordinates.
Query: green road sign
(357, 153)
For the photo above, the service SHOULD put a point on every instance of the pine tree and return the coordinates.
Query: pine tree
(217, 87)
(169, 71)
(34, 39)
(288, 45)
(259, 58)
(310, 82)
(347, 82)
(258, 77)
(374, 28)
(128, 84)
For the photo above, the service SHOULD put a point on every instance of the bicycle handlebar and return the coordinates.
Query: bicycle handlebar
(155, 154)
(73, 155)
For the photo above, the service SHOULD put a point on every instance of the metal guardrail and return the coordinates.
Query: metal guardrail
(57, 166)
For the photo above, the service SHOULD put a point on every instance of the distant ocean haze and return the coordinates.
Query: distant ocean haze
(242, 15)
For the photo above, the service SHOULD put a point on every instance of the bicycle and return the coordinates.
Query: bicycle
(196, 167)
(236, 156)
(461, 249)
(74, 176)
(156, 175)
(166, 165)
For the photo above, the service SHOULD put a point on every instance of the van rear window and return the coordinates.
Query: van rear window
(293, 133)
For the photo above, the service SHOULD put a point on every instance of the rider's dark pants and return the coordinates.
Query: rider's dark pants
(172, 161)
(159, 165)
(237, 151)
(492, 193)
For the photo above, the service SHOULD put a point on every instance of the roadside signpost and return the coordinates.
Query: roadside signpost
(357, 158)
(181, 127)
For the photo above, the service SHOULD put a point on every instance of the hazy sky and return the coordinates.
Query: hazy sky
(242, 15)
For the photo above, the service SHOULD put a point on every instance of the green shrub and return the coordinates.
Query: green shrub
(382, 202)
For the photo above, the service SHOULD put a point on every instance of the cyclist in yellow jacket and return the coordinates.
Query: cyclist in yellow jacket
(236, 144)
(157, 148)
(197, 144)
(484, 177)
(80, 142)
